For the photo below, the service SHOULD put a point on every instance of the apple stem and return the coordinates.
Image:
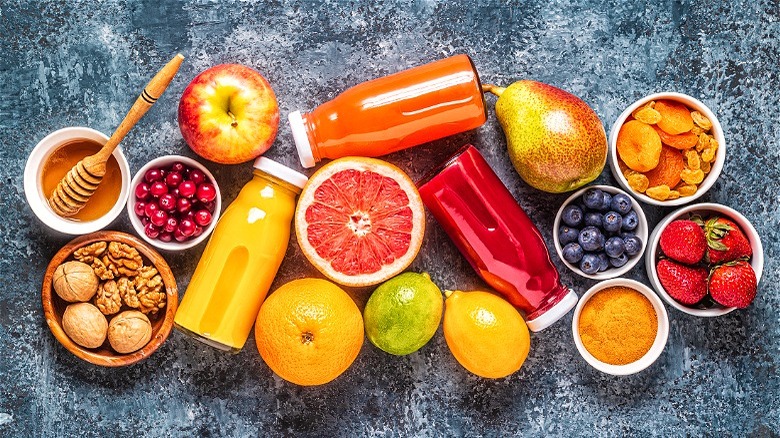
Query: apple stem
(234, 123)
(490, 88)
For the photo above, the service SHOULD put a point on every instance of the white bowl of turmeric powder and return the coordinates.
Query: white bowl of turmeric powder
(620, 326)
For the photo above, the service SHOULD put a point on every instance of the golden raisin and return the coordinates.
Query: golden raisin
(708, 155)
(638, 182)
(704, 141)
(706, 166)
(697, 131)
(701, 121)
(686, 189)
(659, 193)
(693, 160)
(692, 176)
(673, 194)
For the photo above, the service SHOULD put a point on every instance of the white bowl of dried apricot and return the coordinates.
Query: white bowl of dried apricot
(667, 149)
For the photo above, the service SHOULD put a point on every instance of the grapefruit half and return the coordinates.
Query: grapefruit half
(360, 221)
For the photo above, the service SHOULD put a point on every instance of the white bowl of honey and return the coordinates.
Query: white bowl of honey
(50, 161)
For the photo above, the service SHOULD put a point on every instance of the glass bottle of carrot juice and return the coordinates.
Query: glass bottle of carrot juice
(241, 259)
(395, 112)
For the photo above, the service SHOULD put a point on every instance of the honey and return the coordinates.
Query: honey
(59, 163)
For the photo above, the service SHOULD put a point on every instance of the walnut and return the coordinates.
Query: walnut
(125, 259)
(129, 331)
(88, 253)
(108, 299)
(85, 325)
(75, 281)
(149, 286)
(101, 270)
(128, 293)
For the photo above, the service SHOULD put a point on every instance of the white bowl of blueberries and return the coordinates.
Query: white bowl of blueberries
(600, 232)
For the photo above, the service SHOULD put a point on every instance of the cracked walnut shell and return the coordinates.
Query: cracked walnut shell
(85, 325)
(75, 281)
(108, 299)
(129, 331)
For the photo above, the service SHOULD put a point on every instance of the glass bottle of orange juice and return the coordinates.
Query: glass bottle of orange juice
(241, 259)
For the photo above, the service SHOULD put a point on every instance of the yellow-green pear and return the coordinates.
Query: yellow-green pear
(556, 141)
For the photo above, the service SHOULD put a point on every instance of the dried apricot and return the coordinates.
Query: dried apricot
(638, 182)
(693, 160)
(638, 145)
(686, 189)
(667, 173)
(706, 166)
(686, 140)
(692, 176)
(701, 121)
(647, 115)
(660, 193)
(675, 117)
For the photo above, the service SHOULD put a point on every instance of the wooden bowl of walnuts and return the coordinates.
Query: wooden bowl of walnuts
(109, 298)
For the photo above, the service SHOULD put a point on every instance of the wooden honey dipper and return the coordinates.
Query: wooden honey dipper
(78, 185)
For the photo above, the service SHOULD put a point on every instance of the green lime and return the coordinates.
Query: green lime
(403, 313)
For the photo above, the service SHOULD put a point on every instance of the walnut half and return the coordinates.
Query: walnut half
(108, 299)
(149, 287)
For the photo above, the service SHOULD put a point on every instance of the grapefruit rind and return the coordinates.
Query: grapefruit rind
(307, 198)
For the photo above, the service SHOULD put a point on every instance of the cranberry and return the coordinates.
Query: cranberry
(145, 221)
(159, 218)
(187, 227)
(142, 191)
(151, 231)
(209, 205)
(158, 188)
(165, 237)
(167, 202)
(198, 231)
(153, 175)
(179, 236)
(150, 208)
(206, 192)
(139, 208)
(202, 217)
(171, 224)
(197, 176)
(187, 188)
(177, 167)
(174, 192)
(183, 205)
(173, 179)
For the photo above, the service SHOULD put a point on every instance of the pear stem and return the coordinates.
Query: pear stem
(447, 293)
(490, 88)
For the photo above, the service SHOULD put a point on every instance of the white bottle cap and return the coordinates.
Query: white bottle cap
(301, 138)
(280, 171)
(555, 313)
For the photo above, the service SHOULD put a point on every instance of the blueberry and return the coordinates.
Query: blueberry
(612, 221)
(603, 262)
(619, 261)
(567, 235)
(606, 201)
(593, 219)
(572, 215)
(573, 253)
(614, 246)
(591, 239)
(630, 221)
(633, 245)
(590, 264)
(593, 198)
(621, 203)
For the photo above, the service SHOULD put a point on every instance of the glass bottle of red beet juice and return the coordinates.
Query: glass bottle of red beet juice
(496, 236)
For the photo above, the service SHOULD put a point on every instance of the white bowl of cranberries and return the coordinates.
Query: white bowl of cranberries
(174, 202)
(705, 260)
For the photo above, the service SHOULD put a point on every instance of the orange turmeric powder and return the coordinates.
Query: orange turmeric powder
(618, 325)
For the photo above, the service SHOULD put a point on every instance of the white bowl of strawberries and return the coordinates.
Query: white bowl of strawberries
(705, 260)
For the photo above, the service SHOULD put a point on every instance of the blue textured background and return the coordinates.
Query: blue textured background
(83, 63)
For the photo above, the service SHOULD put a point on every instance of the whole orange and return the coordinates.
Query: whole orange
(309, 331)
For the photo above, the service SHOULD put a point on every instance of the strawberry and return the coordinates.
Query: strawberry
(733, 284)
(726, 242)
(686, 284)
(684, 241)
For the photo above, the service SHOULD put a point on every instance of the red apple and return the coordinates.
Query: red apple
(229, 114)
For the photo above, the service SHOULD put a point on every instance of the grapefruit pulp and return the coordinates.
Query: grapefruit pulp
(360, 221)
